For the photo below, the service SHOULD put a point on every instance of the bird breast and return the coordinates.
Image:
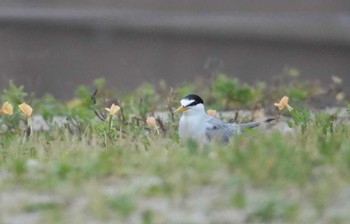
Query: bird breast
(192, 127)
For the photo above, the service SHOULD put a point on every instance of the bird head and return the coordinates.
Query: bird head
(191, 104)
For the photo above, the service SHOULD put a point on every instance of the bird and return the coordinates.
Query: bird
(197, 125)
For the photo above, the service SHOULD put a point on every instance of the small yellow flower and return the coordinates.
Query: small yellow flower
(283, 103)
(340, 96)
(6, 109)
(151, 122)
(211, 112)
(337, 80)
(26, 110)
(113, 109)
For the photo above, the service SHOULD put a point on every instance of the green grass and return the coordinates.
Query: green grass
(264, 177)
(84, 172)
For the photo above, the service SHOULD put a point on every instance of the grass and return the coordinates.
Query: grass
(266, 178)
(84, 172)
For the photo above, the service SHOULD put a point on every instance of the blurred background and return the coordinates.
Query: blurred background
(54, 46)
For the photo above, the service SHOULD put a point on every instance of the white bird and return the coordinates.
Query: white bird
(197, 125)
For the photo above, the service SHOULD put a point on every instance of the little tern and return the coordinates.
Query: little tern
(197, 125)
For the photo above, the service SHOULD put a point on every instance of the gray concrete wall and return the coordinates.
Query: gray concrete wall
(53, 48)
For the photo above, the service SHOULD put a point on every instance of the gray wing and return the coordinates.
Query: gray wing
(218, 129)
(253, 124)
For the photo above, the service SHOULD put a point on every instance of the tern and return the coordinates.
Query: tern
(197, 125)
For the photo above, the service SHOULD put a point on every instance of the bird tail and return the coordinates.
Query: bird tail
(255, 123)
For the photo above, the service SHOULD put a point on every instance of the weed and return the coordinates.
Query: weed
(113, 164)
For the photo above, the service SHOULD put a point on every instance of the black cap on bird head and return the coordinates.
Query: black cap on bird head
(193, 99)
(189, 101)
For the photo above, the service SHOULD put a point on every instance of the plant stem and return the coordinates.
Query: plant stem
(110, 121)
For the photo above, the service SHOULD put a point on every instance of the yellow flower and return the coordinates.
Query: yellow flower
(211, 112)
(113, 109)
(151, 122)
(340, 96)
(6, 109)
(283, 104)
(26, 110)
(337, 80)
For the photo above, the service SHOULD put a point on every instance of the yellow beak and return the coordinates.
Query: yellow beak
(181, 109)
